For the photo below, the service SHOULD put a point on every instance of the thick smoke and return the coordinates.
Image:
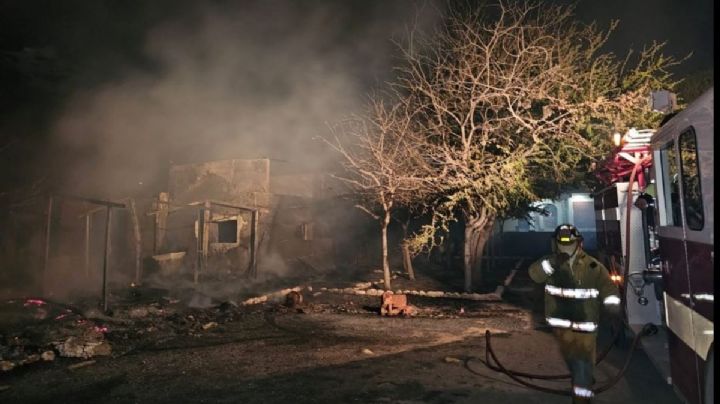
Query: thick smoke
(220, 81)
(250, 81)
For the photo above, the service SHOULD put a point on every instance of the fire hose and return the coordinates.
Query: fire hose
(648, 329)
(599, 359)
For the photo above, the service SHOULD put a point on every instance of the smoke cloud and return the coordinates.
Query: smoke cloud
(257, 80)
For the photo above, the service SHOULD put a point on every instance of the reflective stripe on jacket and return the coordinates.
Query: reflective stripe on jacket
(574, 295)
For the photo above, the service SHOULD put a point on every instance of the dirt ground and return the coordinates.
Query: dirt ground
(333, 348)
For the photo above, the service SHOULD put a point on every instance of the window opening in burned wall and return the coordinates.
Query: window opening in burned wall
(227, 231)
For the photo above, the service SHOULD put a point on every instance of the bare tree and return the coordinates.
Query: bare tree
(382, 164)
(511, 97)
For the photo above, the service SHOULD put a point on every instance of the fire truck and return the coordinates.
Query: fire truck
(655, 234)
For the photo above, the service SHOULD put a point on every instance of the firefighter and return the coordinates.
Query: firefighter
(576, 285)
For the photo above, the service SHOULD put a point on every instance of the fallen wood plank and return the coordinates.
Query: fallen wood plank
(80, 365)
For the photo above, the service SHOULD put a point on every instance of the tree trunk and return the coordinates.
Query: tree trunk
(482, 235)
(386, 265)
(477, 232)
(407, 261)
(407, 258)
(468, 260)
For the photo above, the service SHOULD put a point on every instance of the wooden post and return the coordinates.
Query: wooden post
(138, 241)
(161, 215)
(87, 244)
(106, 258)
(200, 237)
(48, 229)
(253, 242)
(207, 217)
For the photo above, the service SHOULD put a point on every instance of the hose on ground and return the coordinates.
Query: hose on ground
(648, 329)
(599, 359)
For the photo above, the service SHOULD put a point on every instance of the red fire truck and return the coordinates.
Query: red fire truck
(655, 233)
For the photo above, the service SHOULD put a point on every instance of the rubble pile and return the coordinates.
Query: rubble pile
(34, 330)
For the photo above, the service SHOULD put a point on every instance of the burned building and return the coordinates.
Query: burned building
(219, 218)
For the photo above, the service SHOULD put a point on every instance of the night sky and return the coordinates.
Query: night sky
(122, 89)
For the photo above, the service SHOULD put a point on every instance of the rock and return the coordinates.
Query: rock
(3, 388)
(309, 288)
(74, 347)
(367, 351)
(435, 293)
(48, 356)
(349, 291)
(323, 289)
(209, 325)
(317, 294)
(363, 285)
(31, 359)
(6, 366)
(360, 292)
(293, 299)
(450, 359)
(422, 293)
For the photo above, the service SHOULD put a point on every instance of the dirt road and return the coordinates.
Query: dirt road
(280, 357)
(335, 348)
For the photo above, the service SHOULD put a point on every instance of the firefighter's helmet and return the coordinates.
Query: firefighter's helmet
(567, 234)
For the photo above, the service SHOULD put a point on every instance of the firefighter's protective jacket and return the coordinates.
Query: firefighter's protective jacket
(574, 295)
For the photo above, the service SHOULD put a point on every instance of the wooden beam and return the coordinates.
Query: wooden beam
(106, 258)
(138, 240)
(48, 230)
(253, 243)
(88, 224)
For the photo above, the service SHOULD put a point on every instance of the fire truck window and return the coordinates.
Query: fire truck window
(671, 187)
(691, 180)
